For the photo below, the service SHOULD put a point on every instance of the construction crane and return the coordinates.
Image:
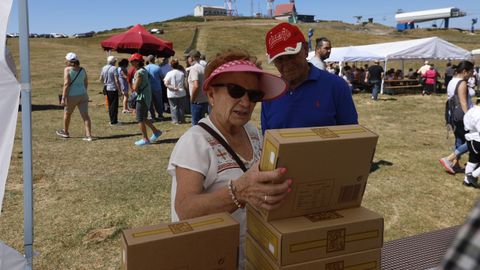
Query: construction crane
(270, 8)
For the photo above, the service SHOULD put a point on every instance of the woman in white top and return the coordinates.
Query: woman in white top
(207, 179)
(176, 92)
(458, 86)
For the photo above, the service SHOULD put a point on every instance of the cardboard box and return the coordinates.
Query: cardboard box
(316, 236)
(257, 259)
(329, 167)
(208, 242)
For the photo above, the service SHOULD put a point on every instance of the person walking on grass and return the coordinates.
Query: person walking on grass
(141, 85)
(74, 95)
(374, 77)
(176, 92)
(156, 86)
(109, 77)
(123, 82)
(458, 87)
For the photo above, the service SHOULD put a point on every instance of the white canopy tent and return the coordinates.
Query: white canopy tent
(424, 48)
(476, 52)
(351, 53)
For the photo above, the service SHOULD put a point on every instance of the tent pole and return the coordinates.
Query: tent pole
(384, 73)
(403, 67)
(26, 131)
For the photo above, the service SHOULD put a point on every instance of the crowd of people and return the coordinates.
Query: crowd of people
(146, 89)
(215, 164)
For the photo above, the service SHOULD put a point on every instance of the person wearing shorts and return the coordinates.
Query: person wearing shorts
(141, 85)
(74, 95)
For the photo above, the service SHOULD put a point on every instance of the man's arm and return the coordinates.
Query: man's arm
(194, 93)
(345, 107)
(116, 81)
(367, 76)
(263, 119)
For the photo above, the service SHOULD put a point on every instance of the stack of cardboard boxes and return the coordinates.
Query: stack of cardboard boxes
(321, 224)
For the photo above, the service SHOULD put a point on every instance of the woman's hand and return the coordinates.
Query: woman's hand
(64, 101)
(263, 189)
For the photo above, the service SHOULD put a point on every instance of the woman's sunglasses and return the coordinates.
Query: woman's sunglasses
(237, 91)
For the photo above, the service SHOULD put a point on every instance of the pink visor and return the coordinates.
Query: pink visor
(273, 86)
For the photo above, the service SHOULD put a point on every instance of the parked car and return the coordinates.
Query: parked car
(84, 35)
(156, 31)
(33, 35)
(57, 35)
(45, 36)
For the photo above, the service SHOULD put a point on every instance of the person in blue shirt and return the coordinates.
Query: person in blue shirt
(156, 86)
(314, 97)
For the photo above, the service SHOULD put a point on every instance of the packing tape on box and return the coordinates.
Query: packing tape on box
(321, 132)
(180, 227)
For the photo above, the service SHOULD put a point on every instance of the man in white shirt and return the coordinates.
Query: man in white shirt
(424, 68)
(198, 99)
(323, 48)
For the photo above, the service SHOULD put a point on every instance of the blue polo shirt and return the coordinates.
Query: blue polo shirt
(324, 99)
(156, 75)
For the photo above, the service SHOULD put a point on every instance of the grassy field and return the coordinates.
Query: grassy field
(87, 192)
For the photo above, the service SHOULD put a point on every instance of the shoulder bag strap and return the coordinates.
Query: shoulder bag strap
(455, 94)
(71, 82)
(225, 144)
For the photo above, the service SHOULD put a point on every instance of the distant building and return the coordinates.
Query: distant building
(200, 11)
(407, 20)
(288, 12)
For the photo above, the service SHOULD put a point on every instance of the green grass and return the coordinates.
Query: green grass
(86, 193)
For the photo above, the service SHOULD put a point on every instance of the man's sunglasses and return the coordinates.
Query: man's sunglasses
(237, 91)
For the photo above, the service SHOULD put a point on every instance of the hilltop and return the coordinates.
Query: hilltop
(216, 33)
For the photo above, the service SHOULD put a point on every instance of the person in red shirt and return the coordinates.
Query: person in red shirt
(430, 80)
(130, 73)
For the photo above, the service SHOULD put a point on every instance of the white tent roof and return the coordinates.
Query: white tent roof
(424, 48)
(476, 52)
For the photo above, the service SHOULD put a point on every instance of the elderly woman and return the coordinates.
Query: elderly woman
(141, 85)
(206, 177)
(74, 94)
(458, 88)
(176, 92)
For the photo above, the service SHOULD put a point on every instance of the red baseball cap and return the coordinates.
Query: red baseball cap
(136, 57)
(283, 39)
(273, 86)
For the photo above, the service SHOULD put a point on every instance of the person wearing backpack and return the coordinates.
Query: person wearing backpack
(459, 101)
(141, 85)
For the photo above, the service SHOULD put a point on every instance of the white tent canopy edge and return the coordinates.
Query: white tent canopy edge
(423, 48)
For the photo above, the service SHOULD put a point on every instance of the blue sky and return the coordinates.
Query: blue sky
(68, 17)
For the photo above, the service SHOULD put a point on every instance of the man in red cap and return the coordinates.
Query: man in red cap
(315, 97)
